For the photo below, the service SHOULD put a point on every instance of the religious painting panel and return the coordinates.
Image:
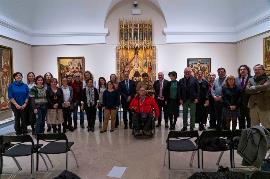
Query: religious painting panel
(200, 64)
(70, 66)
(6, 70)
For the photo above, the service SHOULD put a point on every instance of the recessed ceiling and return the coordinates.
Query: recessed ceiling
(58, 16)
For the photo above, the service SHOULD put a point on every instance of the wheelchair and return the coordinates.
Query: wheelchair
(140, 131)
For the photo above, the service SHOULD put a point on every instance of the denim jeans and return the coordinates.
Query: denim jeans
(75, 114)
(40, 119)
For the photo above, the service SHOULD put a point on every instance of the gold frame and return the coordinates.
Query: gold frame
(4, 102)
(266, 54)
(66, 60)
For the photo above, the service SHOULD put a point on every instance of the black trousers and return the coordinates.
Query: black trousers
(30, 116)
(126, 110)
(91, 116)
(164, 107)
(141, 123)
(211, 111)
(67, 118)
(173, 111)
(244, 117)
(219, 117)
(201, 113)
(20, 120)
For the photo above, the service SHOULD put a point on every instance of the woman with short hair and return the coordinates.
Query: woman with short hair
(18, 94)
(55, 99)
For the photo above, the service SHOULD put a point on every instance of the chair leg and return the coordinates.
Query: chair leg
(49, 159)
(219, 158)
(232, 158)
(66, 160)
(198, 152)
(17, 163)
(32, 167)
(74, 158)
(44, 161)
(192, 159)
(37, 161)
(1, 163)
(202, 159)
(169, 159)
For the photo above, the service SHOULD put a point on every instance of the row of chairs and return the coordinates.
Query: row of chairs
(210, 141)
(18, 146)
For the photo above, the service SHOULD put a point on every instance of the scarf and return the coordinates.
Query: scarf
(90, 95)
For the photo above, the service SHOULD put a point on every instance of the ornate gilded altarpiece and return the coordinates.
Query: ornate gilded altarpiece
(135, 50)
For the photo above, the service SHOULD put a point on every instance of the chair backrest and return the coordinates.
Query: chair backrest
(19, 139)
(5, 141)
(182, 134)
(52, 137)
(214, 140)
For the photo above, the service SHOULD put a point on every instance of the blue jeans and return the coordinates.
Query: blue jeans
(40, 119)
(75, 114)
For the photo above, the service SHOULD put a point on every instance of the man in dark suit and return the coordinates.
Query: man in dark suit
(189, 96)
(159, 87)
(241, 82)
(127, 90)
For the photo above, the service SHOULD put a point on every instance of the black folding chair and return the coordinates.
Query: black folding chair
(180, 141)
(57, 144)
(17, 146)
(216, 141)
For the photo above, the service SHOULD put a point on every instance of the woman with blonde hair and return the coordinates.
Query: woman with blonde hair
(231, 95)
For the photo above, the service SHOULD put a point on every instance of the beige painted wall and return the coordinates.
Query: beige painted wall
(250, 51)
(22, 55)
(100, 59)
(174, 56)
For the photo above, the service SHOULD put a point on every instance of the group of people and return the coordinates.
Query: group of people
(226, 98)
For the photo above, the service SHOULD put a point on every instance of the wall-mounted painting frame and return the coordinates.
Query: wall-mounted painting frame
(138, 61)
(202, 64)
(70, 66)
(266, 54)
(6, 71)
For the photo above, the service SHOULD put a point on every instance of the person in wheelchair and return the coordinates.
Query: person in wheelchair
(145, 110)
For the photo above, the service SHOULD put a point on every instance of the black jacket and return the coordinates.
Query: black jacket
(192, 86)
(167, 92)
(124, 92)
(157, 87)
(204, 91)
(84, 97)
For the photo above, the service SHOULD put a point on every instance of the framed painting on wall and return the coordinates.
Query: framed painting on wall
(137, 61)
(266, 54)
(200, 64)
(70, 66)
(6, 70)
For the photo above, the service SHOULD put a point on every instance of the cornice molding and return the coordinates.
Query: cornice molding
(245, 30)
